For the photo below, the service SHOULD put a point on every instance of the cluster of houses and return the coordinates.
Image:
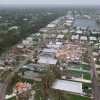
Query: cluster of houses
(85, 31)
(56, 49)
(51, 47)
(80, 35)
(96, 57)
(47, 54)
(71, 52)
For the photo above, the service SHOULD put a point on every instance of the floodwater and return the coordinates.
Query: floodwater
(84, 23)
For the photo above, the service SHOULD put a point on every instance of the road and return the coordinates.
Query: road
(96, 88)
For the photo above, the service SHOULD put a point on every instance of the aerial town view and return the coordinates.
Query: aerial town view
(49, 51)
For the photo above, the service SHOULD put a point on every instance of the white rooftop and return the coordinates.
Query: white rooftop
(13, 27)
(54, 45)
(95, 32)
(69, 21)
(79, 32)
(10, 96)
(92, 38)
(68, 86)
(25, 42)
(47, 60)
(49, 50)
(43, 30)
(75, 37)
(20, 46)
(29, 39)
(83, 38)
(51, 25)
(65, 31)
(60, 36)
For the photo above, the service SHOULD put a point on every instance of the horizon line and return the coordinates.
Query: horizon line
(49, 4)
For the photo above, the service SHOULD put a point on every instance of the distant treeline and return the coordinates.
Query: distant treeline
(28, 21)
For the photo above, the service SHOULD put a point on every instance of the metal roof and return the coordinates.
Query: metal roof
(68, 86)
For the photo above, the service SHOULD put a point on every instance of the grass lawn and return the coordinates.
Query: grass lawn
(13, 98)
(66, 96)
(38, 96)
(77, 97)
(39, 91)
(67, 35)
(76, 73)
(87, 76)
(87, 88)
(85, 67)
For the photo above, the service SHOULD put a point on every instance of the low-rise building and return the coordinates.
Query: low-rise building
(51, 25)
(75, 37)
(60, 36)
(83, 38)
(65, 31)
(56, 45)
(79, 32)
(91, 38)
(68, 86)
(47, 60)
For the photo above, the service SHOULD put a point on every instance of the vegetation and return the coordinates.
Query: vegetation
(56, 95)
(35, 19)
(85, 67)
(13, 98)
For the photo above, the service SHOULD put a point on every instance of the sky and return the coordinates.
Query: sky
(71, 2)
